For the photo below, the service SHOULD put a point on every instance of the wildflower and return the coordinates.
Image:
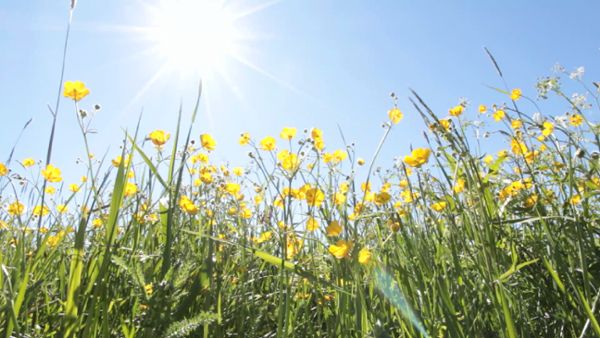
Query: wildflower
(208, 142)
(244, 139)
(53, 240)
(341, 249)
(28, 162)
(360, 161)
(439, 206)
(84, 179)
(159, 137)
(287, 133)
(395, 115)
(576, 120)
(16, 208)
(335, 157)
(97, 223)
(456, 110)
(50, 190)
(149, 289)
(445, 123)
(130, 189)
(61, 208)
(267, 143)
(74, 187)
(265, 236)
(482, 108)
(39, 211)
(382, 198)
(515, 94)
(364, 256)
(289, 161)
(52, 174)
(294, 246)
(312, 224)
(232, 188)
(516, 124)
(116, 162)
(418, 157)
(518, 147)
(530, 201)
(314, 197)
(75, 90)
(238, 171)
(187, 205)
(333, 229)
(317, 136)
(498, 115)
(459, 186)
(576, 199)
(548, 128)
(3, 170)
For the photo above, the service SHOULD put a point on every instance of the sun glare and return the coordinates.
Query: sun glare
(195, 36)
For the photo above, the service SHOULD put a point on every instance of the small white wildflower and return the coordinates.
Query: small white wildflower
(537, 118)
(577, 74)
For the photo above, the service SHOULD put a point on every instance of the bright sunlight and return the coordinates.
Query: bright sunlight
(194, 36)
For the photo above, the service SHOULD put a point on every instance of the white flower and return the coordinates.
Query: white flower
(537, 118)
(577, 74)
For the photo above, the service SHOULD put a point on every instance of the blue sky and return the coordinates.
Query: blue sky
(329, 63)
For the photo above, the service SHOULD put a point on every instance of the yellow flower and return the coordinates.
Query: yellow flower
(149, 289)
(548, 128)
(267, 143)
(317, 136)
(54, 240)
(232, 188)
(335, 157)
(439, 206)
(364, 256)
(498, 115)
(116, 162)
(341, 249)
(294, 245)
(445, 123)
(456, 110)
(576, 120)
(482, 108)
(418, 157)
(459, 186)
(130, 189)
(382, 198)
(395, 115)
(244, 139)
(516, 124)
(333, 229)
(289, 161)
(287, 133)
(208, 142)
(576, 199)
(97, 223)
(74, 187)
(3, 170)
(61, 208)
(314, 197)
(518, 147)
(28, 162)
(75, 90)
(50, 190)
(530, 201)
(38, 210)
(515, 94)
(312, 224)
(159, 137)
(238, 171)
(52, 174)
(246, 213)
(265, 236)
(187, 205)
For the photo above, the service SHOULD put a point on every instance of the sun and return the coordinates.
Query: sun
(194, 36)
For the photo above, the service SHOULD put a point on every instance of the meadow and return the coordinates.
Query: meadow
(448, 241)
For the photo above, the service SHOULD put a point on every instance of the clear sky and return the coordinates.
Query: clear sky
(315, 63)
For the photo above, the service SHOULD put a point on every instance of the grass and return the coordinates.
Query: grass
(453, 242)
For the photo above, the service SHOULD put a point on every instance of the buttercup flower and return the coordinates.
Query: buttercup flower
(515, 94)
(208, 142)
(341, 249)
(3, 170)
(287, 133)
(28, 162)
(52, 174)
(457, 110)
(267, 143)
(159, 137)
(418, 157)
(364, 256)
(75, 90)
(244, 139)
(395, 115)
